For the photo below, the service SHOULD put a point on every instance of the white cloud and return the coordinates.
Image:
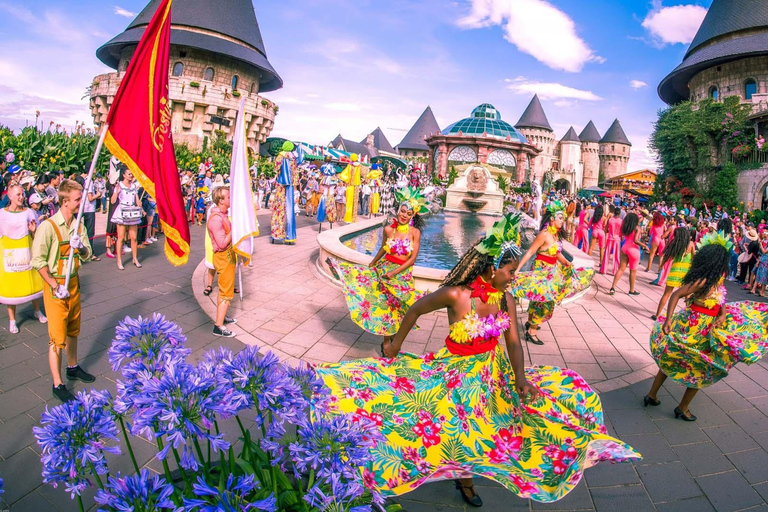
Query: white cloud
(676, 24)
(549, 90)
(124, 12)
(535, 27)
(637, 84)
(641, 156)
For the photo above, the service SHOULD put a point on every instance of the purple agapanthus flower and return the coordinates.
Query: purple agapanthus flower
(1, 486)
(237, 496)
(334, 445)
(335, 494)
(74, 435)
(145, 491)
(145, 343)
(180, 405)
(313, 389)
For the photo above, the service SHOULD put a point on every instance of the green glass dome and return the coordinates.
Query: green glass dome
(485, 118)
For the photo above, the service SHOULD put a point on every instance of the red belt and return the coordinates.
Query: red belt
(394, 259)
(546, 259)
(476, 346)
(705, 311)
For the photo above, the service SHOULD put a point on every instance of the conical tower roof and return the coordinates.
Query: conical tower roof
(570, 136)
(615, 135)
(731, 30)
(228, 28)
(415, 138)
(380, 141)
(589, 133)
(534, 116)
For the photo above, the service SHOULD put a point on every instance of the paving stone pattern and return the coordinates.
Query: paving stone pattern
(718, 463)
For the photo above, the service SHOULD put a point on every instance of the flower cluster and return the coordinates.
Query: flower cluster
(146, 344)
(235, 496)
(74, 437)
(473, 327)
(399, 246)
(144, 491)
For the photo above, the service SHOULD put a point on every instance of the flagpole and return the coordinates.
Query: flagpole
(84, 199)
(240, 278)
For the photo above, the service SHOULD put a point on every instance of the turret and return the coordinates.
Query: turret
(590, 154)
(534, 125)
(614, 151)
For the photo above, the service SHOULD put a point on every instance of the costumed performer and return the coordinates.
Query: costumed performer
(580, 239)
(631, 231)
(547, 283)
(612, 242)
(698, 345)
(677, 254)
(351, 176)
(597, 226)
(19, 282)
(658, 242)
(374, 177)
(537, 199)
(283, 207)
(379, 295)
(469, 408)
(326, 210)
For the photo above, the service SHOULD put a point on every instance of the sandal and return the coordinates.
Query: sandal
(208, 290)
(95, 258)
(472, 499)
(533, 339)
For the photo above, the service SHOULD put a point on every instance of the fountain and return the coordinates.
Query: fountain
(475, 191)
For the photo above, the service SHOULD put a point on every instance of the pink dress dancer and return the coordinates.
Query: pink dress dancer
(657, 235)
(582, 232)
(612, 245)
(632, 250)
(598, 233)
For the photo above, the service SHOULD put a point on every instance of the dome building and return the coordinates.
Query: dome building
(485, 138)
(217, 55)
(729, 57)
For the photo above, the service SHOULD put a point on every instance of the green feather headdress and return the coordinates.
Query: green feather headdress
(719, 238)
(413, 198)
(501, 238)
(556, 206)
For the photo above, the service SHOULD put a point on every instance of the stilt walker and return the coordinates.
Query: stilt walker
(351, 176)
(283, 224)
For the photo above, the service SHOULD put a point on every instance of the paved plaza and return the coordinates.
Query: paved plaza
(717, 463)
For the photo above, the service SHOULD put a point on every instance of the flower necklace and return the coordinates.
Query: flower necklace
(401, 228)
(552, 229)
(485, 291)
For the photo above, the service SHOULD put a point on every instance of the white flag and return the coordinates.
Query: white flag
(245, 226)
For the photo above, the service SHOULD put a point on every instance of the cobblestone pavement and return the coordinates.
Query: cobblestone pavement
(717, 463)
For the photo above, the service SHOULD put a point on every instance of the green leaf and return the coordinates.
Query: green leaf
(245, 466)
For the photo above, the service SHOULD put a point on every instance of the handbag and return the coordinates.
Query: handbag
(744, 257)
(130, 212)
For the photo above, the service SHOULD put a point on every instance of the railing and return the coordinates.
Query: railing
(757, 156)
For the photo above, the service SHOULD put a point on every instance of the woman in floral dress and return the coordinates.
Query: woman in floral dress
(552, 278)
(677, 255)
(379, 295)
(698, 345)
(470, 409)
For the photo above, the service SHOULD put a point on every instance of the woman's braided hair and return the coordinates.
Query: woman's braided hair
(470, 266)
(710, 263)
(679, 244)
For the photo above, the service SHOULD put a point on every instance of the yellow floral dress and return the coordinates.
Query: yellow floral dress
(548, 283)
(698, 355)
(378, 305)
(448, 416)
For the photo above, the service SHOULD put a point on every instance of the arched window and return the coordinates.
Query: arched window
(234, 82)
(253, 87)
(714, 93)
(462, 154)
(208, 75)
(178, 69)
(501, 158)
(750, 88)
(125, 64)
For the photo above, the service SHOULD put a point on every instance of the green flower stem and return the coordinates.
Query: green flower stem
(242, 428)
(80, 502)
(128, 444)
(95, 475)
(182, 470)
(200, 454)
(166, 469)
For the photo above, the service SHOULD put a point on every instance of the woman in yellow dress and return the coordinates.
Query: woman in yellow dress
(552, 278)
(698, 345)
(19, 282)
(470, 409)
(378, 295)
(677, 253)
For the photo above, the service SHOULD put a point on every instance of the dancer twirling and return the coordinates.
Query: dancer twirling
(630, 252)
(700, 344)
(677, 254)
(379, 295)
(547, 284)
(469, 409)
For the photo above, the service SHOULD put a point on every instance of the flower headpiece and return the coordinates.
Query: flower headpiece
(413, 198)
(719, 238)
(556, 206)
(501, 238)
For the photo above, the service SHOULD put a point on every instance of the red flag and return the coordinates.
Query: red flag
(139, 131)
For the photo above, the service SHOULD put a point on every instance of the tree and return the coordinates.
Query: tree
(724, 190)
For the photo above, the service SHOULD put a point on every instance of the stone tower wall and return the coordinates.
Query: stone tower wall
(590, 157)
(614, 159)
(192, 107)
(544, 140)
(729, 79)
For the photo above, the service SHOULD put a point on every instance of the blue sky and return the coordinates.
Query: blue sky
(350, 66)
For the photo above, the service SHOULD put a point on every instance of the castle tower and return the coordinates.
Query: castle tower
(217, 56)
(414, 143)
(614, 151)
(570, 159)
(590, 154)
(535, 126)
